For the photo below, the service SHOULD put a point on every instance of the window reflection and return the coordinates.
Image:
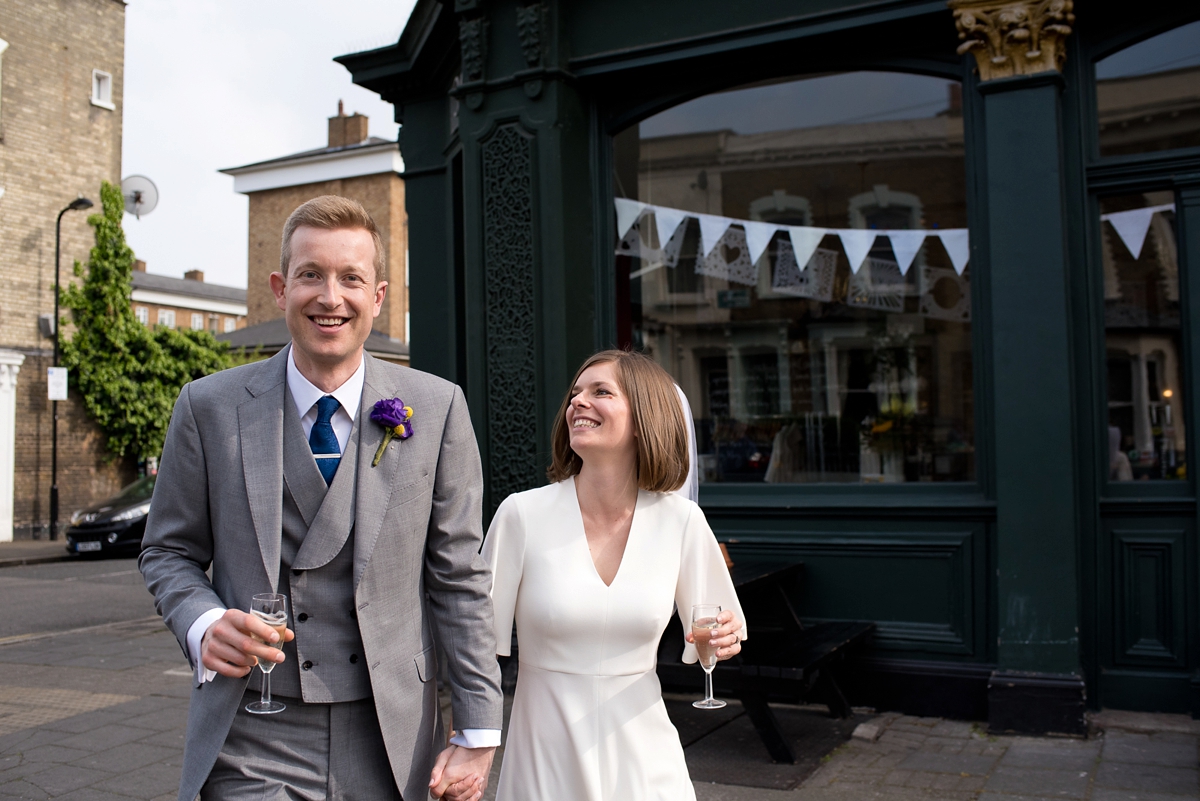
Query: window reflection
(1141, 317)
(1147, 95)
(804, 369)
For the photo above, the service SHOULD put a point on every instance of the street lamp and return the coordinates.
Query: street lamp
(78, 204)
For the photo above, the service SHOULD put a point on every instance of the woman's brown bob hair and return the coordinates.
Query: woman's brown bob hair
(662, 441)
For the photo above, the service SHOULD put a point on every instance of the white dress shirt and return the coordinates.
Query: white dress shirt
(305, 395)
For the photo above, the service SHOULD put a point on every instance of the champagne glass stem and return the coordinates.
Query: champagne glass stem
(265, 696)
(708, 691)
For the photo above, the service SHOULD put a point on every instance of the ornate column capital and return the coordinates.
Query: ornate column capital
(1014, 38)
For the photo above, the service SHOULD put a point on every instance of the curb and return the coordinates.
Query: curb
(18, 561)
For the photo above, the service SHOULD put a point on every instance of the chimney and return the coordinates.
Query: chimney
(345, 130)
(194, 275)
(139, 266)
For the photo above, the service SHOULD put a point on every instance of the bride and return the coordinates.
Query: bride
(591, 568)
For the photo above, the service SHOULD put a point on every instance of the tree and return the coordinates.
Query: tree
(129, 375)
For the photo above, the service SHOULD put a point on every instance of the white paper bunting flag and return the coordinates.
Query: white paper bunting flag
(957, 243)
(804, 242)
(1132, 226)
(905, 245)
(758, 236)
(627, 213)
(730, 260)
(857, 243)
(712, 228)
(668, 221)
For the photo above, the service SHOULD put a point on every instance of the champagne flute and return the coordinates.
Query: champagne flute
(270, 608)
(704, 626)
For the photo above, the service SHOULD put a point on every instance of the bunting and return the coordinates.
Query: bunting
(1133, 225)
(753, 238)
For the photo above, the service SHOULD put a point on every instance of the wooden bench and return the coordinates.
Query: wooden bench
(784, 660)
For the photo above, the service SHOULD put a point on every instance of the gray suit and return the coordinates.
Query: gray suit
(418, 578)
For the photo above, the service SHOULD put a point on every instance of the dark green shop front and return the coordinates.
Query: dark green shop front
(926, 273)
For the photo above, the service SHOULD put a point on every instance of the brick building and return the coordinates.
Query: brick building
(354, 165)
(187, 302)
(61, 77)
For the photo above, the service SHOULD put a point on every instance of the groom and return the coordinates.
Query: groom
(270, 478)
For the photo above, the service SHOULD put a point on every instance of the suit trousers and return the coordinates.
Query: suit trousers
(308, 752)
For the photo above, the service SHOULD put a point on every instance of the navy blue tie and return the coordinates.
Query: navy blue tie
(323, 441)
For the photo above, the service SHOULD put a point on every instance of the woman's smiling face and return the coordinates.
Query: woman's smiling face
(598, 417)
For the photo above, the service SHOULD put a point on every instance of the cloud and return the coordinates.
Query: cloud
(230, 82)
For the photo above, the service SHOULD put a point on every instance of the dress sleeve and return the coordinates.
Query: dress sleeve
(504, 551)
(703, 577)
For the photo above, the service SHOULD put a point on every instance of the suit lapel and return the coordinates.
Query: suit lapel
(304, 481)
(260, 429)
(375, 484)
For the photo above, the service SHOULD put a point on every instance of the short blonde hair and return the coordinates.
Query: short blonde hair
(662, 441)
(331, 213)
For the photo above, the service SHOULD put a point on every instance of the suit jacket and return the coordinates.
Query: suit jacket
(418, 575)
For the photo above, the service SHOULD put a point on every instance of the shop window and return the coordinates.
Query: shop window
(166, 317)
(1142, 337)
(796, 256)
(1146, 96)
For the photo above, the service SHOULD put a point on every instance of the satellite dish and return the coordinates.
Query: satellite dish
(141, 195)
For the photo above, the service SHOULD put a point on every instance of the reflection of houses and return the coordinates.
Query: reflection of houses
(1158, 111)
(790, 358)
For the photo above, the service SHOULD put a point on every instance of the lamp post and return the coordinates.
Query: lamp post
(78, 204)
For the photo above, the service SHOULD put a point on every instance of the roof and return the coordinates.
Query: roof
(273, 335)
(308, 155)
(186, 286)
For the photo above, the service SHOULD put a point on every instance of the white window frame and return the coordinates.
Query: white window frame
(197, 321)
(166, 317)
(143, 314)
(102, 89)
(230, 324)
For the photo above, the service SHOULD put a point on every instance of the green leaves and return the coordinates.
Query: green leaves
(129, 375)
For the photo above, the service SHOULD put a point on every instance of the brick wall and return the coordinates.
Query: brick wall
(54, 146)
(383, 197)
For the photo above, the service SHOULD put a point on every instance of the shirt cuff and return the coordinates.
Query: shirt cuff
(477, 738)
(194, 636)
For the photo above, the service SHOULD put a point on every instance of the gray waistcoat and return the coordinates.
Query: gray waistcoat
(325, 663)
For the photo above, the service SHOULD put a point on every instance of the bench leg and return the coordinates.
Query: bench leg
(767, 727)
(829, 693)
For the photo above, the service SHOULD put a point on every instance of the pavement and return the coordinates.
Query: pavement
(98, 712)
(33, 552)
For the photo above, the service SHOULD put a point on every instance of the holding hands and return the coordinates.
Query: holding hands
(726, 639)
(233, 645)
(461, 774)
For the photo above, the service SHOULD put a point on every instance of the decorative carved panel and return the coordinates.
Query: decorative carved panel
(1014, 38)
(508, 209)
(529, 28)
(472, 42)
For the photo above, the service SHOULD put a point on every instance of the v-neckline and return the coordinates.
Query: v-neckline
(583, 532)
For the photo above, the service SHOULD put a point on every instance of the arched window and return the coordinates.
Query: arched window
(1146, 94)
(797, 260)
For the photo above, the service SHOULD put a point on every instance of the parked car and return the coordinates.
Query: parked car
(115, 525)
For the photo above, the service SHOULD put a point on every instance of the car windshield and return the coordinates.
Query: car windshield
(140, 490)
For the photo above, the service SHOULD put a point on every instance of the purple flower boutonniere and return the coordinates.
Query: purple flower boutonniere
(396, 419)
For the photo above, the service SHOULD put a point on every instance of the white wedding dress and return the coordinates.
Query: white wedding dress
(588, 721)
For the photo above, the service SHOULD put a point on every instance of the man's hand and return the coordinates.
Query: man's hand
(461, 774)
(229, 647)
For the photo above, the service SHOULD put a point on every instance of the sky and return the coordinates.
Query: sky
(224, 83)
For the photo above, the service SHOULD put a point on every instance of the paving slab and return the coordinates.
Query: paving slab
(1149, 778)
(1151, 749)
(1036, 782)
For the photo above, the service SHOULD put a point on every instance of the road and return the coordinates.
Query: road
(64, 596)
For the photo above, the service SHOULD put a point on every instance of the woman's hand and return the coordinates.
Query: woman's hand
(456, 773)
(727, 637)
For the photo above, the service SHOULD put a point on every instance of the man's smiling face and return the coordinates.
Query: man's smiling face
(330, 298)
